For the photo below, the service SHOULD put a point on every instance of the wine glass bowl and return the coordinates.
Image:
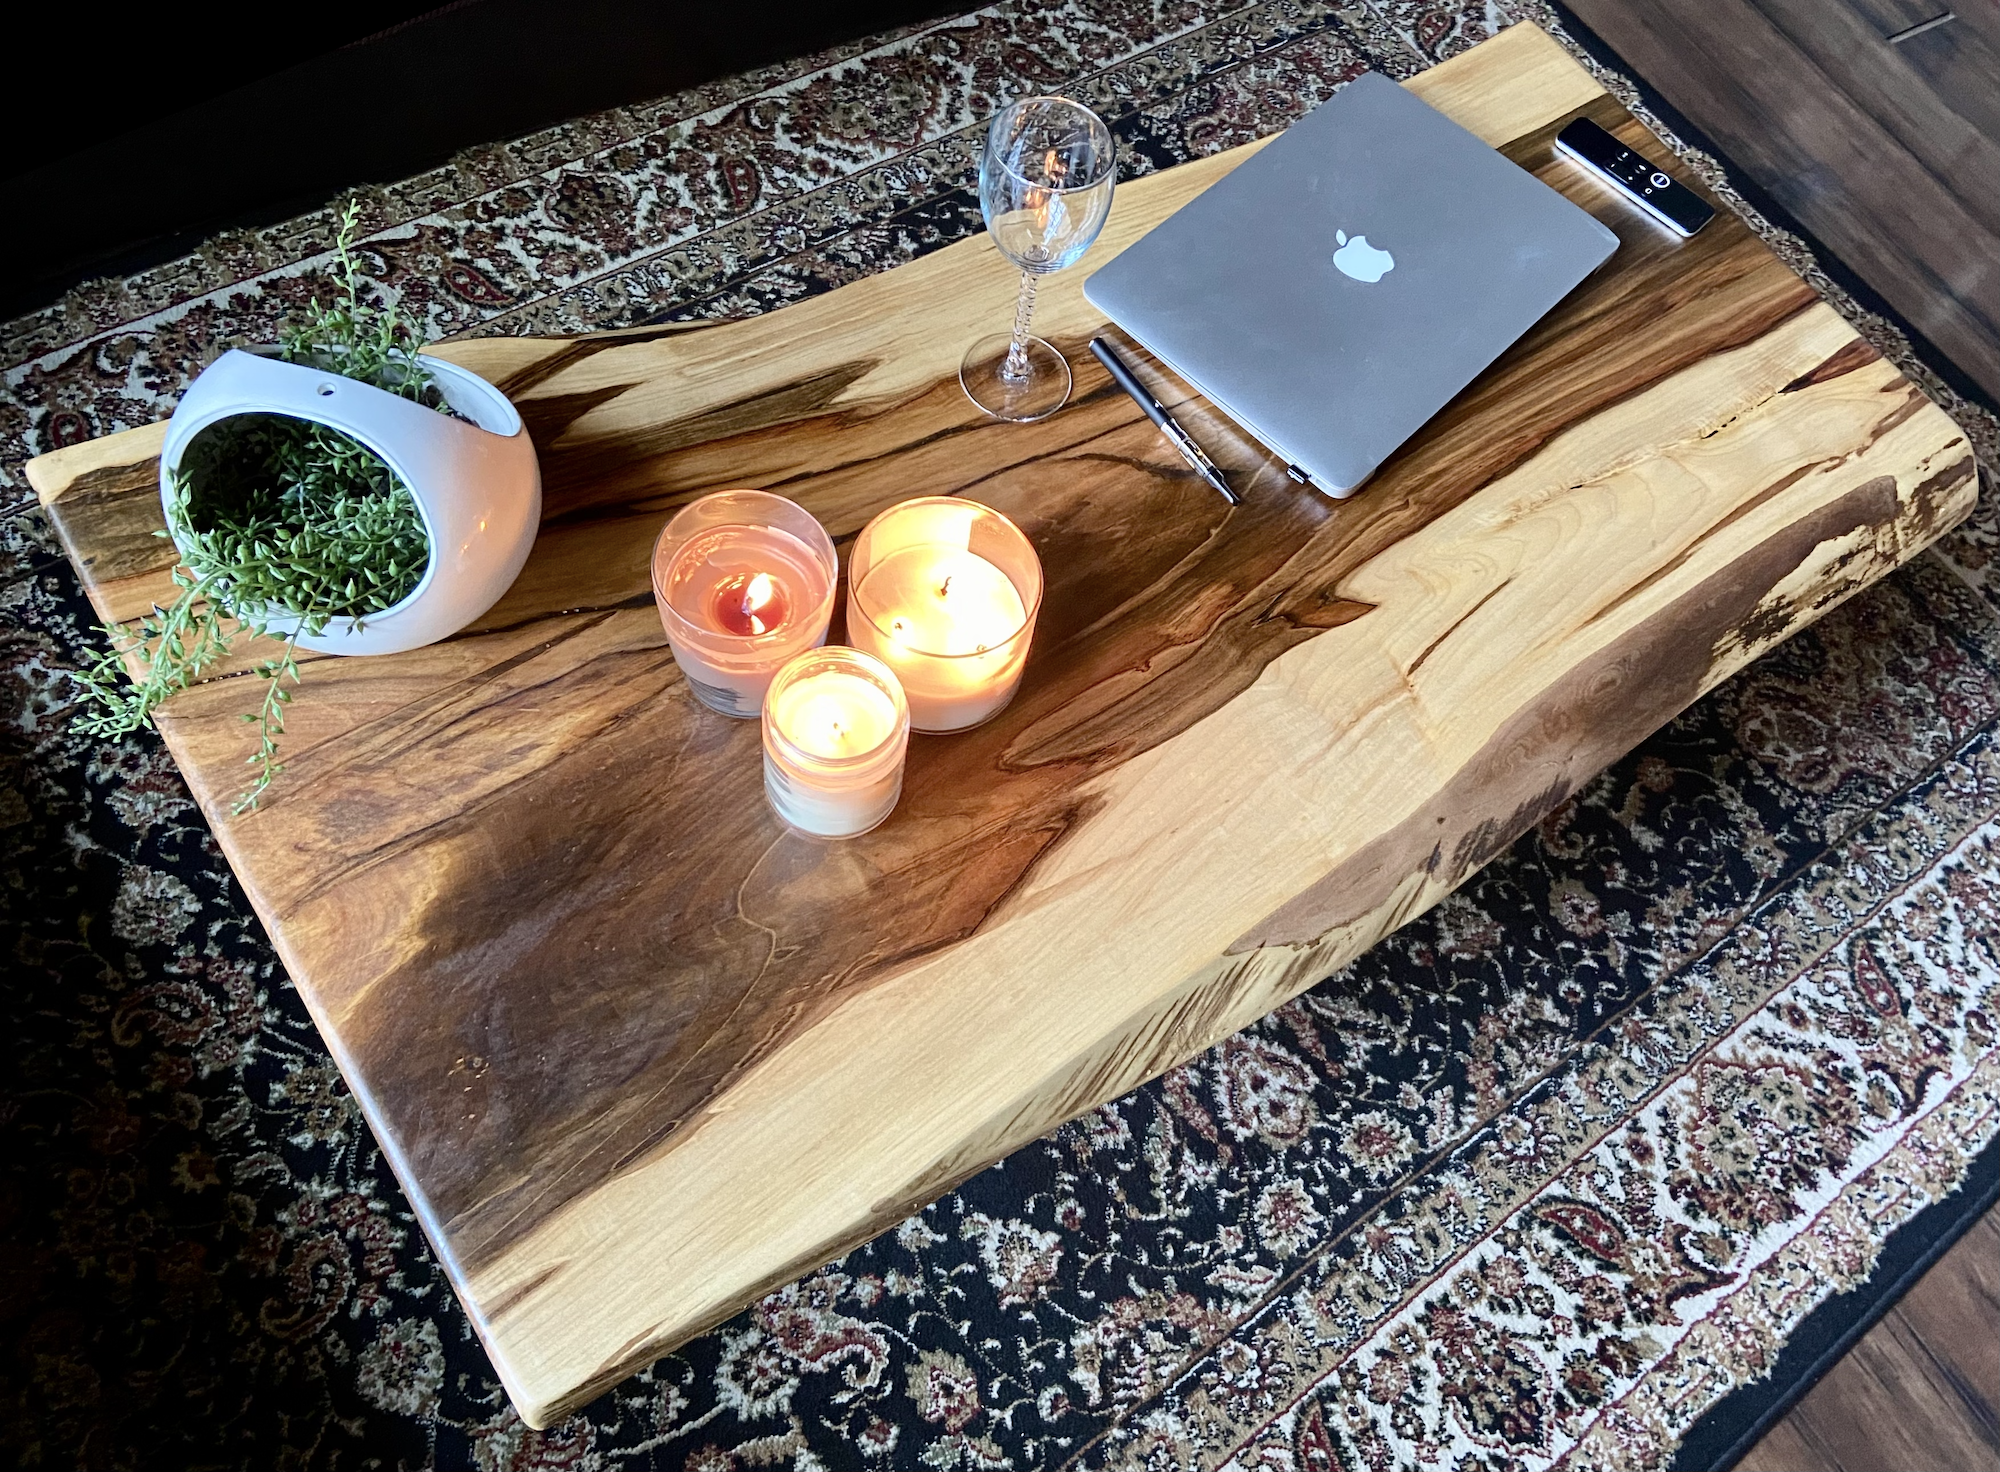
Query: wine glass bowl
(1045, 181)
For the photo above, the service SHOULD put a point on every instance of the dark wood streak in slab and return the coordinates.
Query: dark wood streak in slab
(583, 474)
(573, 350)
(1857, 354)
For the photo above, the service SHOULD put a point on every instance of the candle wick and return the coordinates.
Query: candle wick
(944, 588)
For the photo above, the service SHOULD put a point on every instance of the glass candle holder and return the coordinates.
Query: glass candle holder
(944, 591)
(744, 581)
(836, 729)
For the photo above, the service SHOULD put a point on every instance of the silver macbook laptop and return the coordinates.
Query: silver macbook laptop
(1341, 285)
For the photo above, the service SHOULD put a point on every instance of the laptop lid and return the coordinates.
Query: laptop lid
(1337, 288)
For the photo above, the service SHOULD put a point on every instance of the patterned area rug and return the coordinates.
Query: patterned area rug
(1552, 1177)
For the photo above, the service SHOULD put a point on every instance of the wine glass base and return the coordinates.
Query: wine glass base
(1037, 394)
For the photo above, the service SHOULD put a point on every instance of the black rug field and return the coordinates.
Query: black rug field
(1592, 1166)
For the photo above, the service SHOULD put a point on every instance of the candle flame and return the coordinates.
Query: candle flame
(757, 596)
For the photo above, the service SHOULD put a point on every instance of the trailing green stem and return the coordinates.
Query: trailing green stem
(278, 521)
(270, 720)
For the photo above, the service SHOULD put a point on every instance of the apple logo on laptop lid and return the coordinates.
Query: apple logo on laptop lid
(1360, 260)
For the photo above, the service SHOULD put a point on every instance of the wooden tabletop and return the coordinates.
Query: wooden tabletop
(638, 1055)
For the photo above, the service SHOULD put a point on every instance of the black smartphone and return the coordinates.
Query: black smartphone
(1640, 180)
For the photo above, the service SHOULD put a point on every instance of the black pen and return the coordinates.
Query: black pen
(1180, 438)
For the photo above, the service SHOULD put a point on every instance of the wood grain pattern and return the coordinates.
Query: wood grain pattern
(638, 1055)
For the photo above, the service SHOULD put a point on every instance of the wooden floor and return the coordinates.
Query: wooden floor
(1887, 150)
(1921, 1392)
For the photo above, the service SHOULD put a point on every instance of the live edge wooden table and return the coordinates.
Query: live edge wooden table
(638, 1055)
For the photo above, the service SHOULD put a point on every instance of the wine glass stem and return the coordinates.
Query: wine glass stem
(1016, 367)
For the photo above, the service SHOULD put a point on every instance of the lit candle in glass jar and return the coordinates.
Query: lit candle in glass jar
(744, 581)
(945, 591)
(836, 728)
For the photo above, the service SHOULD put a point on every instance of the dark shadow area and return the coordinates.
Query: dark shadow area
(194, 120)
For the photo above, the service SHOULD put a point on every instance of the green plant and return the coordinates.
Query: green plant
(277, 520)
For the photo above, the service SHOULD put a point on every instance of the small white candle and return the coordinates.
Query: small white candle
(836, 729)
(944, 591)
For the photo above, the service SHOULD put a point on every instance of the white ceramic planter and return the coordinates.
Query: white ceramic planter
(477, 485)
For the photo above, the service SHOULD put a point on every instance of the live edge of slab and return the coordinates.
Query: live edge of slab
(639, 1056)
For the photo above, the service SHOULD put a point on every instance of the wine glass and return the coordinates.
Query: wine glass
(1045, 181)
